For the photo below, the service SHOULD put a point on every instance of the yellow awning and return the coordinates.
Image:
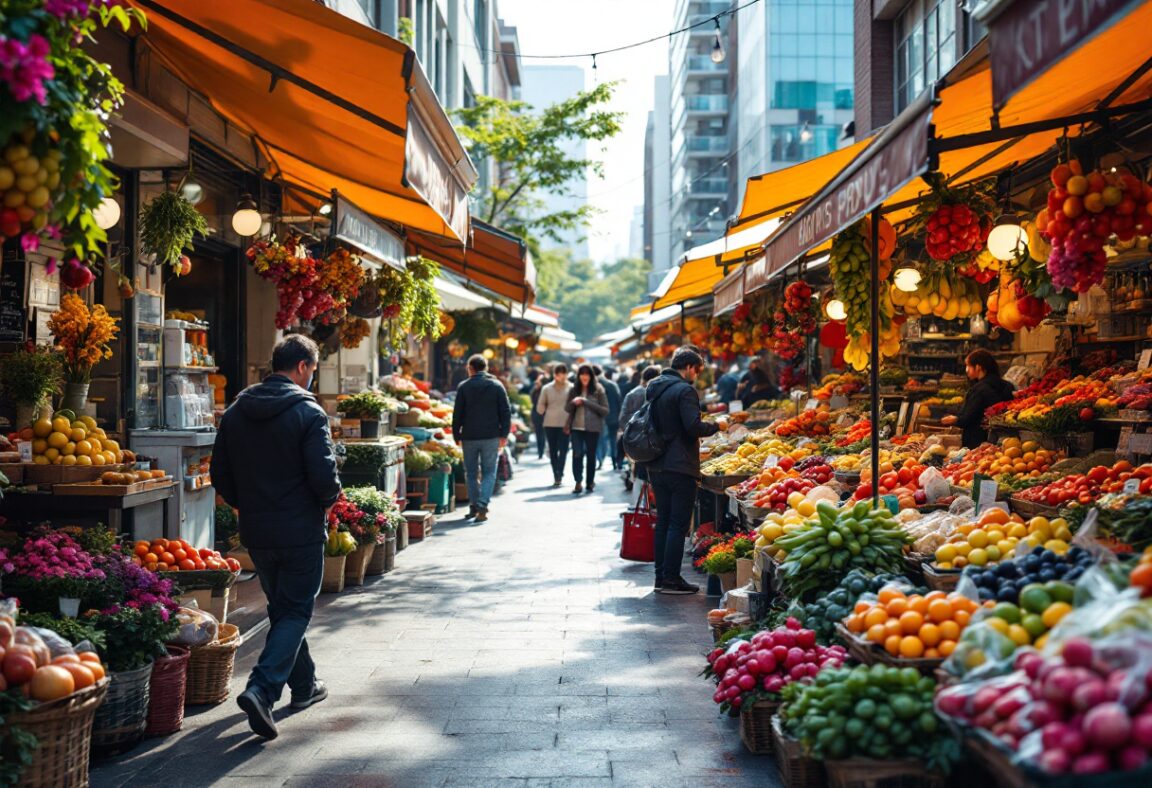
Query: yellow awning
(694, 279)
(333, 103)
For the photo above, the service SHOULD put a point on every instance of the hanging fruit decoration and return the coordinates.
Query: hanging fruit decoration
(955, 220)
(851, 266)
(943, 292)
(1083, 213)
(734, 336)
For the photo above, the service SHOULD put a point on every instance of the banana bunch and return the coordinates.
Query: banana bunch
(943, 293)
(1038, 248)
(851, 266)
(860, 347)
(848, 463)
(730, 465)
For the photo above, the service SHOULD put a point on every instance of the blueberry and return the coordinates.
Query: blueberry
(1046, 575)
(1007, 594)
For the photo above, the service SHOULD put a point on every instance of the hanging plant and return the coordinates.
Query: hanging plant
(168, 223)
(422, 308)
(353, 331)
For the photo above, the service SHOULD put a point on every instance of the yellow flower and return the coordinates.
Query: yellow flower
(82, 335)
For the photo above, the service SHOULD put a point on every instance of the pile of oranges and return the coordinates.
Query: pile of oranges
(1012, 456)
(911, 627)
(174, 555)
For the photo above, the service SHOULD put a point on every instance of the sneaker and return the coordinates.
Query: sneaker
(659, 582)
(319, 693)
(259, 713)
(471, 512)
(591, 486)
(481, 515)
(678, 585)
(579, 489)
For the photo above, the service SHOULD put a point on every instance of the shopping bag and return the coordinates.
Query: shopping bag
(503, 467)
(638, 542)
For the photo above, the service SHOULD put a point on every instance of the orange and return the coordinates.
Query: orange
(167, 558)
(932, 596)
(875, 616)
(962, 617)
(931, 653)
(892, 627)
(911, 647)
(150, 558)
(897, 606)
(888, 593)
(949, 630)
(940, 610)
(929, 634)
(993, 517)
(892, 645)
(854, 623)
(918, 604)
(911, 622)
(946, 648)
(876, 633)
(141, 548)
(861, 606)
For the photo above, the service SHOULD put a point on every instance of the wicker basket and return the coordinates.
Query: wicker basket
(409, 419)
(120, 721)
(797, 770)
(210, 668)
(858, 648)
(383, 558)
(995, 760)
(940, 579)
(1031, 508)
(63, 730)
(166, 693)
(357, 565)
(868, 773)
(333, 582)
(756, 726)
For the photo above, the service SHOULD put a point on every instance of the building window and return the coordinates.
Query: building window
(372, 11)
(800, 142)
(926, 47)
(480, 23)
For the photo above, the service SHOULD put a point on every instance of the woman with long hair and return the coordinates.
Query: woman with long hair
(987, 389)
(587, 406)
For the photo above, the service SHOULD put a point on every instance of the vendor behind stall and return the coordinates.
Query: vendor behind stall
(987, 389)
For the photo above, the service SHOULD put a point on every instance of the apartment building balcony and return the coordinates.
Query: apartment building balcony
(709, 187)
(715, 104)
(702, 64)
(707, 145)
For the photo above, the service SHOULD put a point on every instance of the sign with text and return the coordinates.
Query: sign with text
(871, 178)
(728, 293)
(359, 229)
(1028, 37)
(1145, 359)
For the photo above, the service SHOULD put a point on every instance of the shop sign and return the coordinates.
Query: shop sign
(357, 228)
(729, 293)
(877, 173)
(756, 274)
(1026, 37)
(424, 171)
(13, 316)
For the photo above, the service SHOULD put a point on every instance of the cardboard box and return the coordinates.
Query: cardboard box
(215, 601)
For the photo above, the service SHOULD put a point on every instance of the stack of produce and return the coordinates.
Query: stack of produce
(1087, 487)
(995, 536)
(1008, 580)
(1125, 519)
(1025, 621)
(1011, 456)
(915, 626)
(68, 439)
(842, 385)
(809, 423)
(832, 608)
(943, 293)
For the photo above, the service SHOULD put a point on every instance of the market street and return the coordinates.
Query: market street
(519, 652)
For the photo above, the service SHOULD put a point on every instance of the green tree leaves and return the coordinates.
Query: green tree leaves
(591, 301)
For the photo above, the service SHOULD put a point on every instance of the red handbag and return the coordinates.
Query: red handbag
(638, 542)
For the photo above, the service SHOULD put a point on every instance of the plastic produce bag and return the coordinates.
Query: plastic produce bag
(197, 628)
(57, 646)
(935, 485)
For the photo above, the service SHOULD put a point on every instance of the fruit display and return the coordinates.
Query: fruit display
(823, 614)
(1006, 581)
(1124, 519)
(954, 229)
(995, 537)
(943, 293)
(1084, 488)
(1084, 211)
(1085, 712)
(836, 541)
(1013, 308)
(1141, 575)
(68, 439)
(799, 307)
(761, 667)
(859, 431)
(44, 675)
(850, 263)
(809, 423)
(815, 469)
(1011, 455)
(843, 385)
(1024, 621)
(778, 495)
(877, 712)
(130, 477)
(983, 267)
(912, 626)
(177, 555)
(730, 465)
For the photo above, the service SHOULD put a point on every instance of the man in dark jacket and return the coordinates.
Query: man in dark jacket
(481, 420)
(607, 447)
(674, 474)
(273, 460)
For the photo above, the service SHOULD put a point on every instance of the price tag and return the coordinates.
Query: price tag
(771, 461)
(1122, 445)
(838, 402)
(735, 406)
(1145, 359)
(803, 442)
(25, 451)
(902, 418)
(1140, 444)
(733, 506)
(1131, 487)
(844, 419)
(812, 404)
(987, 496)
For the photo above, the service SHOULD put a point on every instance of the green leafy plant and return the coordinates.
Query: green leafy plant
(168, 223)
(417, 461)
(16, 744)
(31, 374)
(363, 405)
(74, 630)
(719, 561)
(226, 525)
(133, 636)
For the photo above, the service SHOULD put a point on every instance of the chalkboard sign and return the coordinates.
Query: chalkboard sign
(13, 317)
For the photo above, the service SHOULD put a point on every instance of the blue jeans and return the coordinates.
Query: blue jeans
(290, 577)
(675, 504)
(607, 447)
(480, 470)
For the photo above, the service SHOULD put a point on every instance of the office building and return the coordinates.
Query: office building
(658, 183)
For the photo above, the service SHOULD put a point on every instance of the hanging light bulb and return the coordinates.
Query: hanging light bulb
(718, 53)
(247, 220)
(511, 343)
(978, 326)
(907, 279)
(1007, 237)
(325, 209)
(107, 213)
(805, 133)
(192, 191)
(835, 310)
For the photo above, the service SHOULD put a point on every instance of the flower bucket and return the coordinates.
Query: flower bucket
(75, 398)
(369, 428)
(383, 558)
(69, 606)
(356, 565)
(333, 582)
(167, 689)
(727, 581)
(121, 719)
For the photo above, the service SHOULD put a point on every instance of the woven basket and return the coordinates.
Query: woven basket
(1031, 508)
(940, 579)
(166, 694)
(383, 558)
(63, 729)
(756, 726)
(120, 720)
(858, 648)
(868, 773)
(357, 565)
(995, 760)
(333, 580)
(797, 770)
(210, 668)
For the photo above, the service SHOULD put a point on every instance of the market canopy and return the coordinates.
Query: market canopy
(493, 259)
(729, 292)
(333, 103)
(558, 339)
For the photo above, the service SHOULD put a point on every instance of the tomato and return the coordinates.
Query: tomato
(1099, 474)
(19, 665)
(905, 475)
(52, 682)
(205, 553)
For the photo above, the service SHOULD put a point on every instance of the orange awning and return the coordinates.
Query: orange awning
(493, 259)
(694, 279)
(333, 103)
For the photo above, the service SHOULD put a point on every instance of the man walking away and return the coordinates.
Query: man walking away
(537, 419)
(274, 461)
(607, 447)
(553, 407)
(628, 409)
(675, 474)
(481, 420)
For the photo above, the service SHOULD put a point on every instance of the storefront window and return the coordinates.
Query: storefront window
(926, 47)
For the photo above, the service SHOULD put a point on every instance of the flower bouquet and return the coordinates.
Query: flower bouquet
(51, 565)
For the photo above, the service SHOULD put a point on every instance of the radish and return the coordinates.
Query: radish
(1108, 726)
(1090, 695)
(952, 703)
(1059, 685)
(1131, 757)
(1142, 730)
(1072, 741)
(1009, 704)
(747, 682)
(984, 698)
(1030, 662)
(1055, 761)
(1052, 735)
(1077, 653)
(1091, 763)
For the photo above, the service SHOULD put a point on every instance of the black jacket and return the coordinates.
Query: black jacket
(677, 416)
(482, 411)
(982, 395)
(612, 391)
(274, 461)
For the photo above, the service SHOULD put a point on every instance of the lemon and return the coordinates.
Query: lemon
(84, 448)
(946, 554)
(998, 624)
(772, 531)
(42, 428)
(68, 459)
(77, 433)
(61, 424)
(978, 557)
(97, 459)
(40, 459)
(978, 538)
(995, 535)
(806, 508)
(963, 548)
(39, 445)
(1057, 546)
(1019, 635)
(51, 453)
(58, 440)
(84, 459)
(994, 553)
(89, 422)
(68, 448)
(1054, 612)
(1063, 534)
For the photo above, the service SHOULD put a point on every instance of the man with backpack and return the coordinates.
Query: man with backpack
(665, 437)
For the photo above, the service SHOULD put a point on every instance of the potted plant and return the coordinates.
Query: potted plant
(367, 407)
(51, 572)
(364, 528)
(168, 223)
(721, 561)
(28, 378)
(339, 546)
(384, 508)
(82, 335)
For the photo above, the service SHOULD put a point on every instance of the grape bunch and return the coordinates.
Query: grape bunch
(27, 183)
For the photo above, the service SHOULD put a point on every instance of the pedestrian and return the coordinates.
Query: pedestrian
(628, 409)
(538, 384)
(675, 409)
(481, 419)
(607, 446)
(274, 461)
(760, 387)
(726, 384)
(587, 406)
(552, 405)
(987, 389)
(626, 381)
(745, 382)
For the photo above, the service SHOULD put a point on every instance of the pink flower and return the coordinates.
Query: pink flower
(25, 68)
(30, 242)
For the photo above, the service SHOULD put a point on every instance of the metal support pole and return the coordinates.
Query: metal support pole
(874, 360)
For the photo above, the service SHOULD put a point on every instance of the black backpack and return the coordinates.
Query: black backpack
(642, 439)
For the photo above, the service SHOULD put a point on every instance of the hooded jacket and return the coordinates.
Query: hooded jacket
(677, 417)
(274, 461)
(482, 410)
(982, 395)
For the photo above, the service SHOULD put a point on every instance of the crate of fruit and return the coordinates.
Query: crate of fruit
(796, 768)
(940, 579)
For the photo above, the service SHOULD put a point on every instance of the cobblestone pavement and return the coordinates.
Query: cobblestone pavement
(518, 652)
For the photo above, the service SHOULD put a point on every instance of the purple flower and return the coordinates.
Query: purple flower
(24, 67)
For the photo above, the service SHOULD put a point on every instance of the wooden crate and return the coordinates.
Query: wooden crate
(940, 579)
(797, 770)
(420, 524)
(868, 773)
(65, 474)
(13, 471)
(117, 490)
(859, 649)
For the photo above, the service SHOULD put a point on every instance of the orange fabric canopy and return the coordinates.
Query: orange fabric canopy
(493, 259)
(333, 103)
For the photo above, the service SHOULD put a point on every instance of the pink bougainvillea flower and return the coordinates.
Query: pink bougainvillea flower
(24, 68)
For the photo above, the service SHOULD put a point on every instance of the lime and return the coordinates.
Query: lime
(1007, 612)
(1033, 625)
(1060, 592)
(1035, 599)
